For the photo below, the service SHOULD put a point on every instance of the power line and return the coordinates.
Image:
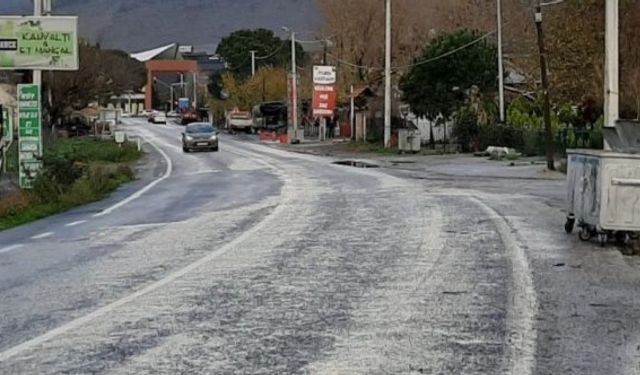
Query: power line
(270, 55)
(423, 62)
(446, 54)
(344, 62)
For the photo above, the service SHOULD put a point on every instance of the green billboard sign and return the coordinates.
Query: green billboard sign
(39, 43)
(29, 133)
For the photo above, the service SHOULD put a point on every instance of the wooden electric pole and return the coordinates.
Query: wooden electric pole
(546, 108)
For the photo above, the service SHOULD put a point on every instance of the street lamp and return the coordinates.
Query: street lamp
(294, 84)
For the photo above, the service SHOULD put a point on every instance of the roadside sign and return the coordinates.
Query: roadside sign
(324, 75)
(183, 103)
(119, 136)
(29, 133)
(39, 43)
(324, 90)
(324, 100)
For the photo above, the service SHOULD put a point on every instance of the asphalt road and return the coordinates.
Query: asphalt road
(255, 260)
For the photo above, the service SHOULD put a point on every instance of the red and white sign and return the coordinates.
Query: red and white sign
(324, 100)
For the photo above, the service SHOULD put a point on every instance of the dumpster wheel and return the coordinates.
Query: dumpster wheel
(623, 238)
(585, 234)
(603, 238)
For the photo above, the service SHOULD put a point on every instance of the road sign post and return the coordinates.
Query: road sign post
(324, 95)
(29, 133)
(7, 136)
(7, 117)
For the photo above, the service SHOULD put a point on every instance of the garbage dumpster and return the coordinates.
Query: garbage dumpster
(604, 192)
(409, 140)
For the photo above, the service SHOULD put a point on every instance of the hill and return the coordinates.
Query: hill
(144, 24)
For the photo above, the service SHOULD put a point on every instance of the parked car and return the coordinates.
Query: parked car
(151, 115)
(160, 118)
(200, 136)
(240, 121)
(157, 117)
(188, 117)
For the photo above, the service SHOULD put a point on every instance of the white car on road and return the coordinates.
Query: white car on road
(158, 118)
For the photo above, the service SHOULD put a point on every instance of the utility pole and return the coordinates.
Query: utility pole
(253, 63)
(612, 65)
(172, 98)
(545, 87)
(181, 85)
(387, 76)
(195, 91)
(294, 88)
(500, 63)
(47, 7)
(352, 114)
(37, 12)
(324, 55)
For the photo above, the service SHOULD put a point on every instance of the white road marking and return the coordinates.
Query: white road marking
(42, 235)
(76, 223)
(105, 310)
(202, 172)
(524, 306)
(140, 192)
(10, 248)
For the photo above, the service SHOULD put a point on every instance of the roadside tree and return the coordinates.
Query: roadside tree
(269, 84)
(450, 65)
(271, 50)
(102, 73)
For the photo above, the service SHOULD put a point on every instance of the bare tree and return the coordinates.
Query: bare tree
(101, 73)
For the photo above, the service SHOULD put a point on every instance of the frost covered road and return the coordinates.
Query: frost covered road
(260, 261)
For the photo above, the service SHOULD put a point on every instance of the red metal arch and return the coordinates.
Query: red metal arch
(165, 66)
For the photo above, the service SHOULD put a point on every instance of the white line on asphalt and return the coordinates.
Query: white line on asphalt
(10, 248)
(524, 306)
(140, 192)
(37, 341)
(202, 172)
(42, 235)
(76, 223)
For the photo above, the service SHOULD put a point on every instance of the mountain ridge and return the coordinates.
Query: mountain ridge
(146, 24)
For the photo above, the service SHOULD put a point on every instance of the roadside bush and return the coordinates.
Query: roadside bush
(596, 138)
(86, 150)
(14, 203)
(75, 171)
(498, 135)
(465, 130)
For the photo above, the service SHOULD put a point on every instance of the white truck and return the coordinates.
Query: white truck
(239, 121)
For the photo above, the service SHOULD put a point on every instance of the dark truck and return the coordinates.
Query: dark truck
(270, 116)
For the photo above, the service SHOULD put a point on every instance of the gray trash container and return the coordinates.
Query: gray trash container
(604, 191)
(409, 140)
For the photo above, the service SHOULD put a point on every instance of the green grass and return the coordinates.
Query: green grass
(92, 149)
(76, 172)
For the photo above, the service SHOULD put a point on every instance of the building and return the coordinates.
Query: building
(175, 71)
